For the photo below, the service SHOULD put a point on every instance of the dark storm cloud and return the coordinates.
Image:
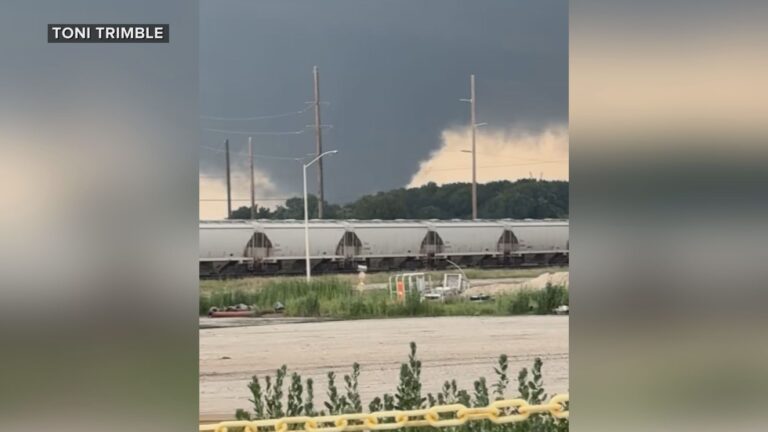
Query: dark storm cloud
(393, 72)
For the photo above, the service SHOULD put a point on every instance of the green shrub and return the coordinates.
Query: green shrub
(522, 303)
(549, 298)
(268, 399)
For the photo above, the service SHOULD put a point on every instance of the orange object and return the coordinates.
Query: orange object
(231, 314)
(400, 290)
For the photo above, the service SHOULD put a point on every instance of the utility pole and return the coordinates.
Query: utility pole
(319, 143)
(253, 181)
(229, 182)
(473, 101)
(473, 124)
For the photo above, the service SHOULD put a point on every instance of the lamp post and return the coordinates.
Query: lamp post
(306, 210)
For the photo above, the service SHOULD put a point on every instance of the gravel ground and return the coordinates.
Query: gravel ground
(463, 348)
(494, 287)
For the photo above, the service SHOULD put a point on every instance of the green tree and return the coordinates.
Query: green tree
(521, 199)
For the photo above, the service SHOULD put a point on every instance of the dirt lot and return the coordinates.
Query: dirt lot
(464, 348)
(495, 287)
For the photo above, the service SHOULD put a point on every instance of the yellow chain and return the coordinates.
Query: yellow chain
(499, 412)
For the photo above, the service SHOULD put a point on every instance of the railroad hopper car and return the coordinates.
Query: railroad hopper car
(241, 247)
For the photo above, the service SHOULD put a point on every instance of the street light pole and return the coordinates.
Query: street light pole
(306, 212)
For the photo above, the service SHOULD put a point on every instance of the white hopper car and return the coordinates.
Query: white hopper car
(241, 247)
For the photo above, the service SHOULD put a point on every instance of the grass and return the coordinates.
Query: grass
(334, 297)
(378, 277)
(472, 273)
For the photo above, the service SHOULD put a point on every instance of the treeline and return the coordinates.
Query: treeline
(528, 198)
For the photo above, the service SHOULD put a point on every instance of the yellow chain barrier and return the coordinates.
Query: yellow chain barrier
(499, 412)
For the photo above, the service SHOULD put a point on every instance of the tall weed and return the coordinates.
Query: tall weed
(337, 298)
(267, 400)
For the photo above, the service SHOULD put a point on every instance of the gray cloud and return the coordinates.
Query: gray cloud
(393, 72)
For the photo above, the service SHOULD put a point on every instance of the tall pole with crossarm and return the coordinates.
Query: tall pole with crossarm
(229, 182)
(473, 99)
(253, 180)
(318, 143)
(473, 131)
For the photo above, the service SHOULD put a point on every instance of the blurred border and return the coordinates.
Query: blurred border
(668, 214)
(98, 258)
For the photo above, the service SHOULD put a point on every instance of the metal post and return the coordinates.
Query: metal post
(229, 182)
(306, 225)
(253, 181)
(306, 208)
(319, 143)
(473, 124)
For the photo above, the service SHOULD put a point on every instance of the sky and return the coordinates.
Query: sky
(392, 74)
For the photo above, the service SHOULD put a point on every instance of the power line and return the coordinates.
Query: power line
(498, 156)
(255, 156)
(497, 166)
(245, 199)
(236, 132)
(263, 117)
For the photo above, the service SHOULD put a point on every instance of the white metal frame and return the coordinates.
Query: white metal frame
(423, 282)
